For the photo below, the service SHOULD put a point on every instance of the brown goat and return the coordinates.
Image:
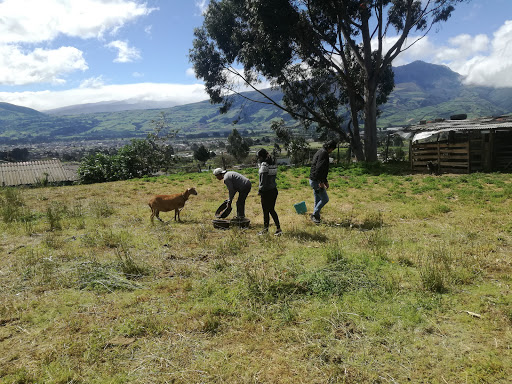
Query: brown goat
(166, 203)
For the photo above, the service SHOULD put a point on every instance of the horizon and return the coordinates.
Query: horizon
(137, 102)
(57, 54)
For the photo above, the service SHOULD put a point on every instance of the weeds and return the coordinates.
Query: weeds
(11, 205)
(101, 209)
(372, 221)
(233, 243)
(435, 270)
(54, 214)
(102, 278)
(320, 304)
(127, 265)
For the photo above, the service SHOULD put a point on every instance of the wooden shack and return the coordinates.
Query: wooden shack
(35, 172)
(462, 146)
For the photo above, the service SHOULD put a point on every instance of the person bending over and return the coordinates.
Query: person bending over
(235, 182)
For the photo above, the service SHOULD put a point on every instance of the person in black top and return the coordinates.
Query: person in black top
(268, 190)
(318, 178)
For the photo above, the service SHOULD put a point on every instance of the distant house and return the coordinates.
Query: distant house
(461, 146)
(35, 172)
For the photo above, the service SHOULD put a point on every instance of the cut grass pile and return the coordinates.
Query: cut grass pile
(408, 279)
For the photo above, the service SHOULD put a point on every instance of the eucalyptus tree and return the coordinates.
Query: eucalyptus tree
(237, 146)
(323, 55)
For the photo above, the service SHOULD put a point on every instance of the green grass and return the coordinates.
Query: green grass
(407, 280)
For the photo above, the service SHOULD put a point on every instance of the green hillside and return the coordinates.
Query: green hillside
(422, 91)
(11, 112)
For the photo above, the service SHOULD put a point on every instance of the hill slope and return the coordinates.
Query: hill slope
(422, 91)
(11, 112)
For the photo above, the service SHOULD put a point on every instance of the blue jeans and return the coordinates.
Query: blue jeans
(321, 197)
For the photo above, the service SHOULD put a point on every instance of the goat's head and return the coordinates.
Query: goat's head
(192, 191)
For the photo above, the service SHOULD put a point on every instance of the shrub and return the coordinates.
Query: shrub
(11, 205)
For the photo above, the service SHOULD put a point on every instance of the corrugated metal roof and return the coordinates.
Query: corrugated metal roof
(422, 131)
(33, 172)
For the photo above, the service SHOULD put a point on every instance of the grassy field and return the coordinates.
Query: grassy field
(408, 279)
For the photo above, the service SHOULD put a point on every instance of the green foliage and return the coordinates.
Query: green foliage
(237, 146)
(279, 40)
(135, 160)
(201, 154)
(296, 146)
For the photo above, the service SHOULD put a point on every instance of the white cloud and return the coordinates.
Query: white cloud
(26, 24)
(495, 68)
(202, 5)
(481, 60)
(125, 53)
(32, 21)
(18, 67)
(190, 72)
(93, 82)
(417, 49)
(44, 100)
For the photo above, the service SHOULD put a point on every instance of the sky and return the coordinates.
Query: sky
(56, 53)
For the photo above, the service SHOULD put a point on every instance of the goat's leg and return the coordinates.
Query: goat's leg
(157, 214)
(177, 213)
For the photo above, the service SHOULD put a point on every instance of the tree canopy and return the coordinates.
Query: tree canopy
(201, 154)
(237, 146)
(330, 58)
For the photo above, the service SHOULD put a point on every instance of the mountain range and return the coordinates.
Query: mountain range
(422, 91)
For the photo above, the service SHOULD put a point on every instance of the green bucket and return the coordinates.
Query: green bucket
(300, 207)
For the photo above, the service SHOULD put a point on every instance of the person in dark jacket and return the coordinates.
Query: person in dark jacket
(235, 182)
(318, 178)
(268, 190)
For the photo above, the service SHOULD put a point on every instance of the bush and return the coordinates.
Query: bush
(138, 159)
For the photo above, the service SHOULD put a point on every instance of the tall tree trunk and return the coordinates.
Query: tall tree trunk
(357, 148)
(355, 139)
(370, 123)
(355, 134)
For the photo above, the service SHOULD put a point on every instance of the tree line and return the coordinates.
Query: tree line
(327, 57)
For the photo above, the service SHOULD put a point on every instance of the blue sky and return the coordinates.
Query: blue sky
(55, 53)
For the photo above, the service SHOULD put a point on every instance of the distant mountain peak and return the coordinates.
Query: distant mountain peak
(427, 75)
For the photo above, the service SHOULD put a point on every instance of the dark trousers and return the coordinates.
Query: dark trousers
(240, 202)
(268, 203)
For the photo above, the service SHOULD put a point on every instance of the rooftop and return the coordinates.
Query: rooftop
(426, 129)
(34, 172)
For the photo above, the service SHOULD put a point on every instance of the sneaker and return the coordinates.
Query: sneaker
(278, 232)
(315, 219)
(263, 232)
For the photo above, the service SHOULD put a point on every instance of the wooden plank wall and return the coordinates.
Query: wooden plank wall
(450, 157)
